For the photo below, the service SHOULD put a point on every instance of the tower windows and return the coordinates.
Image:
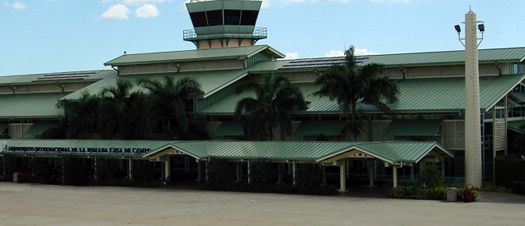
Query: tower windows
(198, 19)
(249, 17)
(214, 17)
(232, 17)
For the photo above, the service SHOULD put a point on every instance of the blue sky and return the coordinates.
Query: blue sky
(63, 35)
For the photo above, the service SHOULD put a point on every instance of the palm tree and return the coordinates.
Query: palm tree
(169, 97)
(274, 99)
(80, 116)
(350, 85)
(117, 115)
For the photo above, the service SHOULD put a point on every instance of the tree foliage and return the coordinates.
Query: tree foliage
(150, 109)
(274, 99)
(351, 85)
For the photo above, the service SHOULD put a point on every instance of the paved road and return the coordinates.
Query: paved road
(22, 204)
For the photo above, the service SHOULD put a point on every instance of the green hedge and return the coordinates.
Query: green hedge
(509, 169)
(437, 193)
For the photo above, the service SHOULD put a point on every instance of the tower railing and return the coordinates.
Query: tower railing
(258, 33)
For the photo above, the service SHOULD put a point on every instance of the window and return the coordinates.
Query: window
(198, 19)
(249, 17)
(232, 17)
(516, 69)
(214, 17)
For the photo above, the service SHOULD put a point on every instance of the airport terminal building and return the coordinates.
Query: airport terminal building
(426, 124)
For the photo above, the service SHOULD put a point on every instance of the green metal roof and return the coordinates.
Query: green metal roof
(407, 128)
(230, 128)
(210, 81)
(448, 57)
(432, 94)
(37, 129)
(518, 97)
(94, 88)
(41, 105)
(316, 128)
(192, 55)
(517, 126)
(55, 77)
(412, 59)
(84, 148)
(394, 152)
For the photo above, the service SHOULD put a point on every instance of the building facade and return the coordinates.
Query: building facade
(427, 122)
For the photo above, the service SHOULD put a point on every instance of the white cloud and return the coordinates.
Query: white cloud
(357, 52)
(17, 5)
(147, 11)
(116, 12)
(291, 56)
(335, 53)
(142, 8)
(360, 52)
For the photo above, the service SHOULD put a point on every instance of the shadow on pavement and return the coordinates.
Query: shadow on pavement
(501, 197)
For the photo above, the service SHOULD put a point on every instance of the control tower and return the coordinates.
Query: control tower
(224, 23)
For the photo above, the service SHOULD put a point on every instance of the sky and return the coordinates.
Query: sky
(40, 36)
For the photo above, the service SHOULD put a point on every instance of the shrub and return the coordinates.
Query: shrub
(509, 168)
(436, 193)
(518, 187)
(431, 176)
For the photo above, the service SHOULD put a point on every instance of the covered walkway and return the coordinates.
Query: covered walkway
(393, 154)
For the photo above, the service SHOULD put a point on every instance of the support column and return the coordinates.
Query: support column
(167, 168)
(199, 171)
(249, 173)
(206, 165)
(412, 176)
(506, 131)
(3, 167)
(294, 173)
(95, 176)
(342, 176)
(443, 168)
(279, 173)
(323, 174)
(63, 172)
(130, 169)
(371, 172)
(494, 119)
(237, 172)
(394, 176)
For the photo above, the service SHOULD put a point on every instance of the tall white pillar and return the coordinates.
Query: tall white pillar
(342, 176)
(394, 176)
(473, 171)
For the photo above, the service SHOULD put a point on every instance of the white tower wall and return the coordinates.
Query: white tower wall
(473, 170)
